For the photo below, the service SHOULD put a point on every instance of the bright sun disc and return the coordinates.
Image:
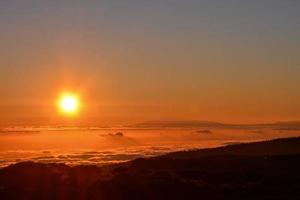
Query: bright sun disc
(69, 104)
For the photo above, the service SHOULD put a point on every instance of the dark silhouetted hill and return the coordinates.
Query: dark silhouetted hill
(262, 170)
(282, 146)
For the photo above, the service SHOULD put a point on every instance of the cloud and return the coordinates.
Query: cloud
(287, 129)
(88, 157)
(204, 131)
(257, 131)
(232, 143)
(177, 124)
(118, 134)
(4, 132)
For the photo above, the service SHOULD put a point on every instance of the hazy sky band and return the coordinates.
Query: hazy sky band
(142, 60)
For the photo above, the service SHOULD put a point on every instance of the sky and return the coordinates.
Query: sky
(232, 61)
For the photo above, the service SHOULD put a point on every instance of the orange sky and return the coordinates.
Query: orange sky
(131, 62)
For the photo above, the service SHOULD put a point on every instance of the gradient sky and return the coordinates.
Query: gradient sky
(135, 60)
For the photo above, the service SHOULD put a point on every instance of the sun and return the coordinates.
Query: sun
(69, 104)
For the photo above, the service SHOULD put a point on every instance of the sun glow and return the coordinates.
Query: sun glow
(69, 104)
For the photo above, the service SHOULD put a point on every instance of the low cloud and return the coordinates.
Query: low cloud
(204, 131)
(287, 129)
(118, 134)
(4, 132)
(232, 143)
(257, 131)
(88, 157)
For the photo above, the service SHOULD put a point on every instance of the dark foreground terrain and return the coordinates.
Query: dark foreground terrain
(263, 170)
